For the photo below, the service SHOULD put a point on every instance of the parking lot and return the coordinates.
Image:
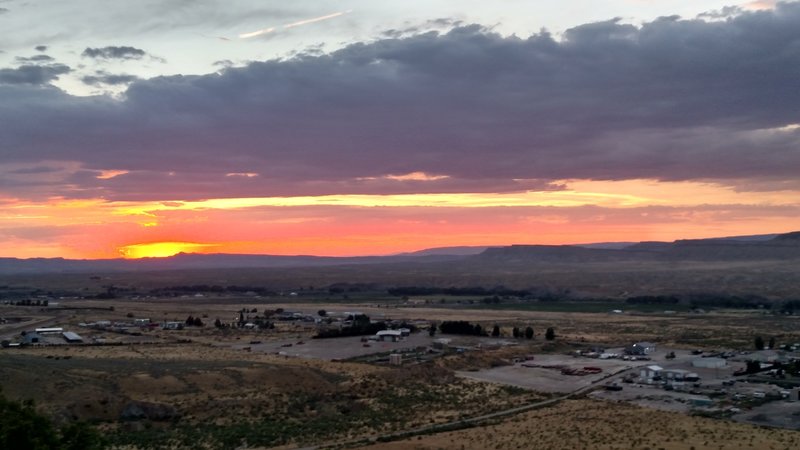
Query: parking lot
(335, 348)
(548, 377)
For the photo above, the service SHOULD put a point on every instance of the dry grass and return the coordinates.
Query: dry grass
(588, 424)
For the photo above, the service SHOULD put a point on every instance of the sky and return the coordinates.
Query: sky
(362, 127)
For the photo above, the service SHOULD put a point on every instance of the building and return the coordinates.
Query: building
(173, 325)
(678, 377)
(54, 330)
(641, 348)
(31, 338)
(701, 401)
(72, 338)
(650, 373)
(389, 335)
(441, 343)
(675, 374)
(709, 363)
(766, 356)
(396, 359)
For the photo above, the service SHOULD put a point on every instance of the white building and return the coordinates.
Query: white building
(648, 373)
(389, 335)
(709, 363)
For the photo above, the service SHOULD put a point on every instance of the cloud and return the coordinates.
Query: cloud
(672, 99)
(41, 48)
(3, 10)
(32, 74)
(113, 52)
(104, 78)
(35, 59)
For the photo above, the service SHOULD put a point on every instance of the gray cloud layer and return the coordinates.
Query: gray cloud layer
(32, 74)
(672, 99)
(113, 52)
(104, 78)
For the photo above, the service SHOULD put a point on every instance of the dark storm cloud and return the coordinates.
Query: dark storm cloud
(672, 99)
(32, 74)
(104, 78)
(113, 52)
(41, 48)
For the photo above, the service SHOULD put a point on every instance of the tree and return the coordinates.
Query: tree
(772, 343)
(478, 330)
(21, 427)
(197, 322)
(432, 330)
(81, 436)
(529, 333)
(218, 323)
(190, 321)
(515, 332)
(550, 334)
(759, 343)
(322, 313)
(496, 331)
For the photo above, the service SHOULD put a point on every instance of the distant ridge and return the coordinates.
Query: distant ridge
(459, 251)
(760, 247)
(793, 236)
(738, 248)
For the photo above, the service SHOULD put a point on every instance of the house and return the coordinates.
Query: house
(141, 322)
(641, 348)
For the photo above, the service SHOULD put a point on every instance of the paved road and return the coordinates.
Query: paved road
(442, 427)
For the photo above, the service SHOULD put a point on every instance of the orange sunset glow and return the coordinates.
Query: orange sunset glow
(382, 130)
(346, 225)
(161, 249)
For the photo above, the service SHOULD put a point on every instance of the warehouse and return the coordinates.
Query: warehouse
(72, 338)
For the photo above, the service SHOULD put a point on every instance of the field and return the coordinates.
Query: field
(602, 425)
(204, 387)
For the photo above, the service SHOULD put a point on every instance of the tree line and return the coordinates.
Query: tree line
(409, 291)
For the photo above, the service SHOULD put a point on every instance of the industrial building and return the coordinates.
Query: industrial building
(72, 338)
(389, 335)
(709, 363)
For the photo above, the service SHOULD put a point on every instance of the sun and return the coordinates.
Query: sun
(161, 249)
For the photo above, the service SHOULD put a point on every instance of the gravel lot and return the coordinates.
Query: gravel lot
(335, 348)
